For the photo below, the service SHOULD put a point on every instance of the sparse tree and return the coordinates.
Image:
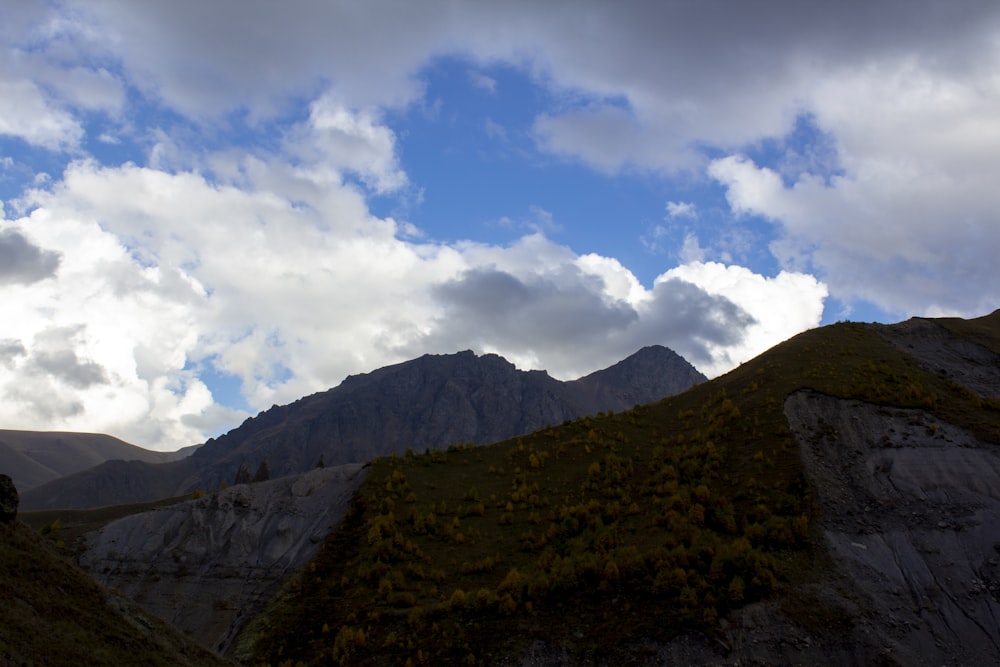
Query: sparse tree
(263, 472)
(243, 474)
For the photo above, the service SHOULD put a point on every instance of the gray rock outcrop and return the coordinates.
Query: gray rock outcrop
(911, 516)
(208, 565)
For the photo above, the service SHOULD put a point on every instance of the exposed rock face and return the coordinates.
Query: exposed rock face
(430, 402)
(911, 516)
(941, 351)
(207, 565)
(650, 374)
(433, 402)
(8, 500)
(910, 512)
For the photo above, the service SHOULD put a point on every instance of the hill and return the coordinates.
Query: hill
(33, 458)
(834, 501)
(54, 614)
(426, 403)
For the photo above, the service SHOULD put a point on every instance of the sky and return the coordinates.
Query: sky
(208, 208)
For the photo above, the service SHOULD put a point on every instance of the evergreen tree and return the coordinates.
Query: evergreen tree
(243, 474)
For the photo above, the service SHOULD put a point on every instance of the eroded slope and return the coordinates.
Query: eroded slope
(206, 565)
(910, 503)
(910, 510)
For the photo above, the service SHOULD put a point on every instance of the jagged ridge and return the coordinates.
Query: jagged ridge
(430, 402)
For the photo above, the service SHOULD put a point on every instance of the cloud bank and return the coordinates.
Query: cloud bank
(238, 238)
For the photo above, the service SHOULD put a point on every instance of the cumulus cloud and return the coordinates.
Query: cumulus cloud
(42, 80)
(681, 209)
(289, 285)
(482, 81)
(53, 354)
(873, 234)
(574, 314)
(121, 281)
(778, 307)
(340, 140)
(904, 92)
(9, 349)
(27, 114)
(21, 261)
(691, 250)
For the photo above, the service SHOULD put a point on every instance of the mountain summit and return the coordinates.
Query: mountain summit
(430, 402)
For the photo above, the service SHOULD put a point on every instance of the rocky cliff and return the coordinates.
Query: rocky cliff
(430, 402)
(207, 565)
(909, 512)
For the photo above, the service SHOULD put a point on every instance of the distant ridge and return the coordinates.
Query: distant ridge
(33, 458)
(430, 402)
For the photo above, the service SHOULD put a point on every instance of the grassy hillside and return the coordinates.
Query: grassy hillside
(54, 614)
(599, 532)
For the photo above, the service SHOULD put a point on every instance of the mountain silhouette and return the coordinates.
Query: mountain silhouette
(430, 402)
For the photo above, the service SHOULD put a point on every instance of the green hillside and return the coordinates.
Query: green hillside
(599, 532)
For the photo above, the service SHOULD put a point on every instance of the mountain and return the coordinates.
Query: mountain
(834, 501)
(33, 458)
(431, 402)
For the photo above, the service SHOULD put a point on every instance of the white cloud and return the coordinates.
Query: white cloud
(27, 114)
(681, 209)
(291, 285)
(610, 138)
(483, 81)
(338, 139)
(494, 130)
(271, 266)
(691, 250)
(781, 306)
(895, 231)
(161, 271)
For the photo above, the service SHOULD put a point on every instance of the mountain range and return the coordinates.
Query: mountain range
(33, 458)
(426, 403)
(833, 501)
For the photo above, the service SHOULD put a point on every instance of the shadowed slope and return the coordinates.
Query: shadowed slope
(54, 614)
(33, 458)
(427, 403)
(832, 501)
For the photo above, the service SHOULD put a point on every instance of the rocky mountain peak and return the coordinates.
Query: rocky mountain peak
(430, 402)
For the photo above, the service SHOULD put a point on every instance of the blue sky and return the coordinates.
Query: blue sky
(209, 208)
